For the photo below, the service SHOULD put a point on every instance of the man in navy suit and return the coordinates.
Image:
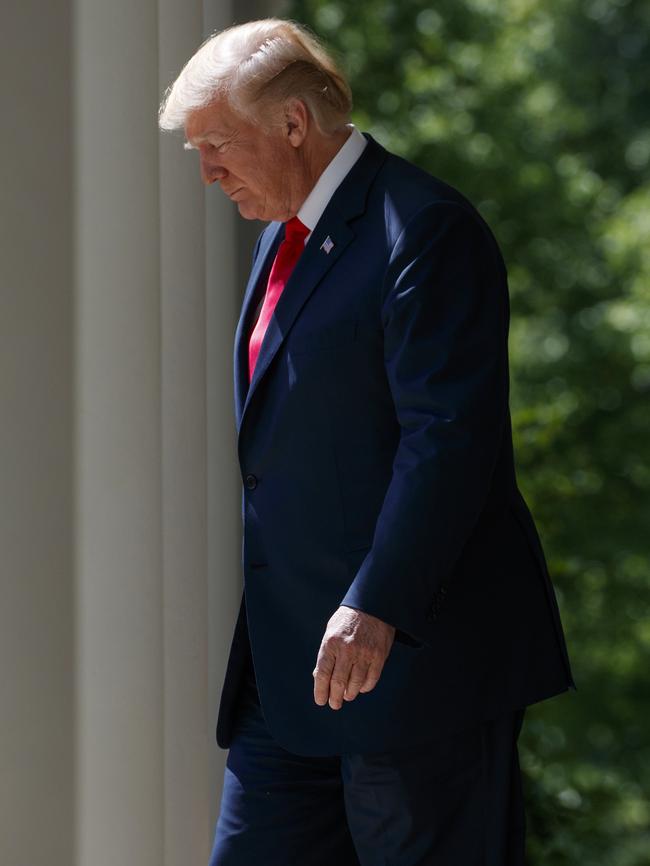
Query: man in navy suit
(397, 614)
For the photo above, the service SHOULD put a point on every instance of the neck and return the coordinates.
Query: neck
(325, 151)
(315, 155)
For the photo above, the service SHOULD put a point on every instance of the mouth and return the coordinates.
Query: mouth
(234, 192)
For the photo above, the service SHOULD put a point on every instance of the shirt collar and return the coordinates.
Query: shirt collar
(313, 206)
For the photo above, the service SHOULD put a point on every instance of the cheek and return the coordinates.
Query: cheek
(245, 173)
(264, 177)
(276, 180)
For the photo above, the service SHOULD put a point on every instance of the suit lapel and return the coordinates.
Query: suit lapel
(312, 266)
(348, 201)
(269, 244)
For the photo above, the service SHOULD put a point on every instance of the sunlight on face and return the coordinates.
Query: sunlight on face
(253, 167)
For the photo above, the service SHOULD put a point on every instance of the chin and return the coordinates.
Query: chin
(248, 213)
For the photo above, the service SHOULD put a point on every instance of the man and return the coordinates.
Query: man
(397, 614)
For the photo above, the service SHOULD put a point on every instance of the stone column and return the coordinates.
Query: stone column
(155, 414)
(201, 532)
(118, 520)
(223, 300)
(37, 533)
(119, 515)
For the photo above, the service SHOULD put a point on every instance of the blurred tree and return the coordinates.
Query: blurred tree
(538, 112)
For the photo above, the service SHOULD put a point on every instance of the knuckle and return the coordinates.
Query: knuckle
(331, 644)
(325, 661)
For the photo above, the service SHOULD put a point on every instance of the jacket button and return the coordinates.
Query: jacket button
(251, 482)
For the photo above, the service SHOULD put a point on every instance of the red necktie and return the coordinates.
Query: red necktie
(285, 260)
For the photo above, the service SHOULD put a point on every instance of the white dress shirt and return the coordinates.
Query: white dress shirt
(327, 184)
(313, 206)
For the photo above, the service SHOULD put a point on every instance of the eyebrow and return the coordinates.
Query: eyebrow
(222, 134)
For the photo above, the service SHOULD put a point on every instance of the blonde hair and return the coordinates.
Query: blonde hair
(258, 67)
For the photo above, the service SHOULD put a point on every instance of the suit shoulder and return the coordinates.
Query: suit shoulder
(406, 190)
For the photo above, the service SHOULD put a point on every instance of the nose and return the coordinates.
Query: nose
(211, 171)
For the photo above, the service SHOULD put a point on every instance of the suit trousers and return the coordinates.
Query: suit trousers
(457, 801)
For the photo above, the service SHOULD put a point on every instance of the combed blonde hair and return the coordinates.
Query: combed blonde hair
(258, 67)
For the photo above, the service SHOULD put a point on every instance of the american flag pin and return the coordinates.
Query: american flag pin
(327, 245)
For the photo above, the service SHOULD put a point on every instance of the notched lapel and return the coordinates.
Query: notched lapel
(324, 248)
(312, 266)
(266, 253)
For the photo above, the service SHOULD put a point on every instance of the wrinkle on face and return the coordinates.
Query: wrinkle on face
(261, 169)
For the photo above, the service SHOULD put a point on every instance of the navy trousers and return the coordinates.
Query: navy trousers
(456, 803)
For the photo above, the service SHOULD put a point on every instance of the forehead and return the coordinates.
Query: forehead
(217, 118)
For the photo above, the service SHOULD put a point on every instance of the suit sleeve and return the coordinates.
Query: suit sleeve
(445, 321)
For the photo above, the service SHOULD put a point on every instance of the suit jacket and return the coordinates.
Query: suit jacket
(376, 457)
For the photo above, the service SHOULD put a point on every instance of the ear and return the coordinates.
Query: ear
(296, 122)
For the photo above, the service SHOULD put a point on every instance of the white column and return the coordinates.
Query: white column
(37, 727)
(154, 375)
(198, 445)
(120, 674)
(119, 518)
(224, 293)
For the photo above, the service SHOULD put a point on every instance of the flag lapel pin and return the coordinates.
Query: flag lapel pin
(327, 245)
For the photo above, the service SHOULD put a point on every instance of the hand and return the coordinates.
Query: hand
(351, 656)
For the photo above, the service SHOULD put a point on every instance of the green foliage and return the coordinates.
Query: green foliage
(538, 112)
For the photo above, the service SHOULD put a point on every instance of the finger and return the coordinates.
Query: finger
(339, 680)
(357, 678)
(322, 673)
(372, 677)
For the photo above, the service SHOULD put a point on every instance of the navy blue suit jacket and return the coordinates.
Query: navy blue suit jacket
(376, 458)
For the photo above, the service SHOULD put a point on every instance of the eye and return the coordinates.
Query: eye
(218, 146)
